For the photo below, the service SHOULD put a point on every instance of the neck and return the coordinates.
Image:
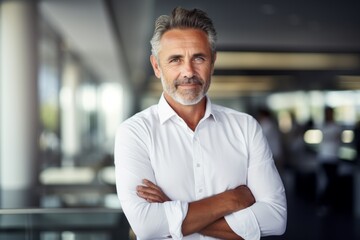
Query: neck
(191, 114)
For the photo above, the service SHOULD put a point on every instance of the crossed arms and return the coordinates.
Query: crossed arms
(205, 216)
(225, 214)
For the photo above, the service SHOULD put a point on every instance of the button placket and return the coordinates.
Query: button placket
(198, 169)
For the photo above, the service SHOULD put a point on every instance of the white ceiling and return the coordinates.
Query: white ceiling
(87, 30)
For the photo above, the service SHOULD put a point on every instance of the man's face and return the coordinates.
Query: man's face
(184, 64)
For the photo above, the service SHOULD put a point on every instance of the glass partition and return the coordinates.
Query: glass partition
(63, 224)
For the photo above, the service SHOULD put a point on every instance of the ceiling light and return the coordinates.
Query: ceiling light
(286, 61)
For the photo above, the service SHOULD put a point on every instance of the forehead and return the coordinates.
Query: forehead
(184, 39)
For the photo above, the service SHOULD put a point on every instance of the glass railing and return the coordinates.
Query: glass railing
(63, 224)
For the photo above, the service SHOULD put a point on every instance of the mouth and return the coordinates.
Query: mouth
(188, 83)
(189, 87)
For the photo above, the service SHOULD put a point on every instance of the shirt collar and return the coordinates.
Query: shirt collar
(166, 112)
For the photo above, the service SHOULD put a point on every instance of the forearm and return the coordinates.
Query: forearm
(206, 211)
(220, 229)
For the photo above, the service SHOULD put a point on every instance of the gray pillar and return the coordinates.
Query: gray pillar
(70, 113)
(18, 103)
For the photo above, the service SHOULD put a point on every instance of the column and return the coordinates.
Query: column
(18, 103)
(70, 114)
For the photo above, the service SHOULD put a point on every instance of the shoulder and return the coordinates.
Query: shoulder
(141, 121)
(225, 113)
(235, 121)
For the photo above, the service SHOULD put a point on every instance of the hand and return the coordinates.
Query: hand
(151, 192)
(244, 197)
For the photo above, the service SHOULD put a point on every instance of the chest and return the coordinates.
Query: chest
(191, 166)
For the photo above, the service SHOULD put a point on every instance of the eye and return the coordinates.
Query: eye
(199, 59)
(174, 60)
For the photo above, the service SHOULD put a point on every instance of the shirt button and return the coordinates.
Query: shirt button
(200, 190)
(198, 165)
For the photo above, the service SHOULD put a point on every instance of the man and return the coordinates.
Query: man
(272, 133)
(186, 168)
(328, 157)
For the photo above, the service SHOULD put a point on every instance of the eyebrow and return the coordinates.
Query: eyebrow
(199, 55)
(174, 56)
(181, 56)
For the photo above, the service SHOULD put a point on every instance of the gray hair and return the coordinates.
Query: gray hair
(182, 19)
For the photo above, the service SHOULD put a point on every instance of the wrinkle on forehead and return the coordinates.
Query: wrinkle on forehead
(177, 40)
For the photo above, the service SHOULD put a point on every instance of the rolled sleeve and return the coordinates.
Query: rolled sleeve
(244, 224)
(270, 208)
(264, 181)
(175, 214)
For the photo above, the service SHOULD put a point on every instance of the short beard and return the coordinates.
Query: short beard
(172, 91)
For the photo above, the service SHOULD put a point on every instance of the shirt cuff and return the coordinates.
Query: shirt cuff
(244, 224)
(175, 213)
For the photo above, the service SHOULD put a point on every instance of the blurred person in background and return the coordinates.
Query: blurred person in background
(272, 133)
(328, 158)
(187, 168)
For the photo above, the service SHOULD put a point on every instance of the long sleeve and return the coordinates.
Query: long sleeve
(268, 215)
(270, 208)
(226, 150)
(132, 164)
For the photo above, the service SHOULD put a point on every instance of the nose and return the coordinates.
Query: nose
(188, 69)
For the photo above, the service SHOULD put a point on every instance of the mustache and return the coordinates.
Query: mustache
(192, 80)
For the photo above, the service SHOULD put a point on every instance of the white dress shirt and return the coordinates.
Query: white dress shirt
(227, 149)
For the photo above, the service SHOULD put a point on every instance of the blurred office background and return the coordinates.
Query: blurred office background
(72, 70)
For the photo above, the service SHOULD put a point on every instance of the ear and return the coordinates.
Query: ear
(155, 66)
(213, 64)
